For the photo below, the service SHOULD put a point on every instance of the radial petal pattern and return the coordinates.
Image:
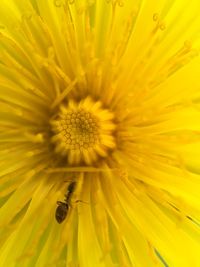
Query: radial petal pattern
(99, 122)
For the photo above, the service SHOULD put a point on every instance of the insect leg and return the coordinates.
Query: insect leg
(60, 203)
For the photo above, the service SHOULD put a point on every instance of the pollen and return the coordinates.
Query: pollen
(83, 131)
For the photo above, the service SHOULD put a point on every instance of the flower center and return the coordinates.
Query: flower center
(83, 131)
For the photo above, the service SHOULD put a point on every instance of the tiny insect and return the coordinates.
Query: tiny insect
(63, 207)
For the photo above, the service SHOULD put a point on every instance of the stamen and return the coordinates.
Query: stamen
(83, 131)
(80, 169)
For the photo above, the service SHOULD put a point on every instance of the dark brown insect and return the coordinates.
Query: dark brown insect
(63, 207)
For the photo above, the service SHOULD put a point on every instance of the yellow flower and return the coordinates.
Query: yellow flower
(100, 133)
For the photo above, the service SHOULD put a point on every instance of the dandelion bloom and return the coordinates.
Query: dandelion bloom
(100, 133)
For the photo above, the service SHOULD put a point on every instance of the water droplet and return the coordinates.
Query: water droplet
(30, 173)
(30, 153)
(155, 16)
(58, 3)
(16, 26)
(120, 3)
(162, 26)
(91, 2)
(19, 112)
(51, 53)
(27, 15)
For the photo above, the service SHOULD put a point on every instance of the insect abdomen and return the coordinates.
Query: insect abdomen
(61, 212)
